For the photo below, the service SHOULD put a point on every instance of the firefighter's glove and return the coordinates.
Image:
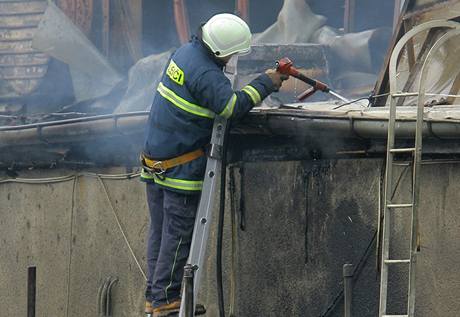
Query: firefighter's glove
(277, 78)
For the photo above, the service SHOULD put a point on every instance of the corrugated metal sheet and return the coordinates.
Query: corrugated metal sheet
(21, 67)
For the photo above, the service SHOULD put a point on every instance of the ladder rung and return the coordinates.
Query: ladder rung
(403, 150)
(404, 94)
(399, 205)
(396, 261)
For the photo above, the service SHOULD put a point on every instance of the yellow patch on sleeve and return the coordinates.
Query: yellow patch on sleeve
(175, 73)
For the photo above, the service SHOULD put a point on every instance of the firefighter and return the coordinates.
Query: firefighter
(192, 92)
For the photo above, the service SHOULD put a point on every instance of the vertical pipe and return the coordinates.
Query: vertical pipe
(220, 230)
(242, 209)
(105, 27)
(31, 290)
(182, 25)
(349, 16)
(242, 9)
(108, 304)
(189, 273)
(347, 288)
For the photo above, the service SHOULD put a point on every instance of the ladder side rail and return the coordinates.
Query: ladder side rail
(418, 161)
(390, 145)
(203, 221)
(386, 212)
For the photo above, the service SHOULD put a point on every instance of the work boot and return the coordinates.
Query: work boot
(167, 310)
(172, 310)
(148, 309)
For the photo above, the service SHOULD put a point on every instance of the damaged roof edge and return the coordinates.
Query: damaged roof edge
(260, 122)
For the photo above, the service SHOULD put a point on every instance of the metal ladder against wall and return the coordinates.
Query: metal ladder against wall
(211, 184)
(416, 152)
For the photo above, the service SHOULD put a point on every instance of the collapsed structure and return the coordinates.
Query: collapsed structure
(305, 180)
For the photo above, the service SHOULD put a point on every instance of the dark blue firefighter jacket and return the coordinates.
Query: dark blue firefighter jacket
(193, 90)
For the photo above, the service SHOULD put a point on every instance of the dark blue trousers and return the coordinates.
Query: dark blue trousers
(172, 218)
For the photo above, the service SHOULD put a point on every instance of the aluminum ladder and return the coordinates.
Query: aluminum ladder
(416, 152)
(211, 185)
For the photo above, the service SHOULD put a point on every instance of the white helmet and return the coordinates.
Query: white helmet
(227, 34)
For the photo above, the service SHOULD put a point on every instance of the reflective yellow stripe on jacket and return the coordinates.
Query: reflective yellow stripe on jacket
(183, 104)
(253, 94)
(175, 183)
(229, 107)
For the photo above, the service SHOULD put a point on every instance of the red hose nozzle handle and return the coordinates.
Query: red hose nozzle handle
(285, 66)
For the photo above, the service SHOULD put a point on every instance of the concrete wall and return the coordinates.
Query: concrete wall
(75, 243)
(303, 221)
(302, 226)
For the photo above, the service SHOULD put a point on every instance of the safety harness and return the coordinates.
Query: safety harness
(160, 167)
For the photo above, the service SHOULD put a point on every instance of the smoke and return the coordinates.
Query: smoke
(299, 22)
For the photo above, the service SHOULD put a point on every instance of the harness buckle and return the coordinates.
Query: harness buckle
(157, 168)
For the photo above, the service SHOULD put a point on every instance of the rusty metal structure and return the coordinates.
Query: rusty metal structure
(79, 11)
(21, 67)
